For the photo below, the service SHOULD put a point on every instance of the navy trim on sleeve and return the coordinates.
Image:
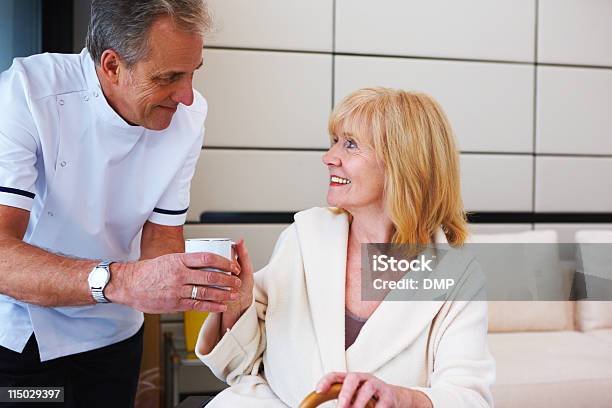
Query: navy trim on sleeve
(170, 212)
(18, 192)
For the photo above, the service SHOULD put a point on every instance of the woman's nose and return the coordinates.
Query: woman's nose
(330, 158)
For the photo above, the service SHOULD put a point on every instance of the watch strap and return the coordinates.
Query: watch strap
(98, 295)
(98, 292)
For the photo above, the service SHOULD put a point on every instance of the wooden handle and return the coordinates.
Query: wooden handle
(314, 399)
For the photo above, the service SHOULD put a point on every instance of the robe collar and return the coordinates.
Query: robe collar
(394, 325)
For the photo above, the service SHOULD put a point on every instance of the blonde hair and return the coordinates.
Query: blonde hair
(413, 139)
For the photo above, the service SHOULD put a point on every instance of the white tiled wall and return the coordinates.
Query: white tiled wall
(575, 110)
(479, 98)
(497, 183)
(266, 99)
(576, 32)
(257, 180)
(274, 69)
(273, 24)
(468, 29)
(573, 184)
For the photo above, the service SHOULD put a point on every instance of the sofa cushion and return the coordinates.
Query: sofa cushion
(593, 315)
(519, 316)
(509, 316)
(551, 369)
(535, 315)
(594, 236)
(603, 335)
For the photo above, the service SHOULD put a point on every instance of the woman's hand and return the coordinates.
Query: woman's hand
(361, 387)
(236, 308)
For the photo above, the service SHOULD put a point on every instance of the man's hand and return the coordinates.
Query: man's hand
(165, 284)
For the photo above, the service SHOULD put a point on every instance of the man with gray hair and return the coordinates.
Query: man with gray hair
(97, 153)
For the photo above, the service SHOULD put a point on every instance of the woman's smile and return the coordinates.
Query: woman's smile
(337, 181)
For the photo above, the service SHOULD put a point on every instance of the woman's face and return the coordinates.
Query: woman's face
(356, 176)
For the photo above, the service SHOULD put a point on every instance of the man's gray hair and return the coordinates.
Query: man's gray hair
(123, 25)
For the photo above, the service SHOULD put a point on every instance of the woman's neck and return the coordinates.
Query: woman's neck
(371, 228)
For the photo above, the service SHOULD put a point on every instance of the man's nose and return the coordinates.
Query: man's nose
(183, 93)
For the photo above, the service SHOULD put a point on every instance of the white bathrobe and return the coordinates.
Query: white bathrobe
(293, 333)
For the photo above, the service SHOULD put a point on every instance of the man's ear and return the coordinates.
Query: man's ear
(110, 66)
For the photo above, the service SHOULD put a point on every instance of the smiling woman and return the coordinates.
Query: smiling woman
(406, 147)
(394, 177)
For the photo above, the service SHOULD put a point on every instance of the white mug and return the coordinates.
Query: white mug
(221, 246)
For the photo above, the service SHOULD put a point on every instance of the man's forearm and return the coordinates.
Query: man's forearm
(161, 247)
(159, 240)
(159, 285)
(33, 275)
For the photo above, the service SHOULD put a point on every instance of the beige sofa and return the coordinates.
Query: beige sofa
(552, 362)
(551, 354)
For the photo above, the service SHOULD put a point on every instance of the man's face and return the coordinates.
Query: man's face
(150, 91)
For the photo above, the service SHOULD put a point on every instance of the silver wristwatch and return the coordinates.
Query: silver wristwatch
(98, 279)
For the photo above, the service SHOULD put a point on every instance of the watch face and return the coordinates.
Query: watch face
(98, 278)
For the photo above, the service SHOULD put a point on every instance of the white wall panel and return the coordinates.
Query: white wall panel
(574, 110)
(242, 180)
(472, 29)
(285, 24)
(573, 184)
(490, 106)
(498, 228)
(266, 99)
(567, 232)
(575, 32)
(497, 182)
(290, 181)
(259, 238)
